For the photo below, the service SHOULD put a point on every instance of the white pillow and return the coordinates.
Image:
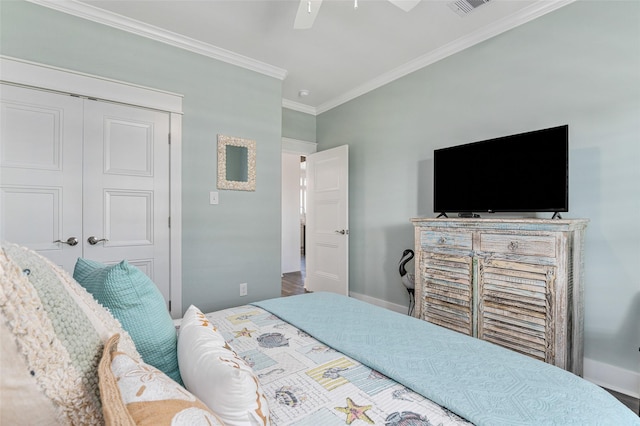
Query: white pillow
(213, 372)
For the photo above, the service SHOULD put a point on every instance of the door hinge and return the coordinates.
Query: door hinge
(169, 305)
(169, 221)
(169, 138)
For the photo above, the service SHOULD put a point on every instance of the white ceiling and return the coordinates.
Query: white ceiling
(347, 52)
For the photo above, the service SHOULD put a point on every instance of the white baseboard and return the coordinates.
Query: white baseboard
(605, 375)
(379, 302)
(612, 377)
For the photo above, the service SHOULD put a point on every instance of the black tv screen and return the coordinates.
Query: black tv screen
(526, 172)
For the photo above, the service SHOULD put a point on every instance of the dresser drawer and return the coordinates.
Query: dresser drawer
(446, 239)
(527, 245)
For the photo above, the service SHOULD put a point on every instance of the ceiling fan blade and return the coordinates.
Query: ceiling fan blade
(405, 5)
(307, 12)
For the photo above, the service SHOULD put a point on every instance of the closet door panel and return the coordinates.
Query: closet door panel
(41, 171)
(126, 163)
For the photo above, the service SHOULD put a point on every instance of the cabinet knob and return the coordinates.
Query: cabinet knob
(442, 240)
(513, 245)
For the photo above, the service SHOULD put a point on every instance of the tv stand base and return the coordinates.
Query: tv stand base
(469, 215)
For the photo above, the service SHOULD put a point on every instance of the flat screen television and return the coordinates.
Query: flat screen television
(526, 172)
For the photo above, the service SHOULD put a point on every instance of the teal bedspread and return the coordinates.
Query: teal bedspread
(482, 382)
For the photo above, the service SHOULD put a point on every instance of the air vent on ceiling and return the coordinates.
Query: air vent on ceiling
(464, 7)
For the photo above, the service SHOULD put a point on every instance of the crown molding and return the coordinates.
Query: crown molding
(523, 16)
(297, 106)
(85, 11)
(91, 13)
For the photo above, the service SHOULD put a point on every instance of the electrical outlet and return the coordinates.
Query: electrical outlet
(243, 289)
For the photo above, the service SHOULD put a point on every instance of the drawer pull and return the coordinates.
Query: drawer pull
(442, 240)
(513, 245)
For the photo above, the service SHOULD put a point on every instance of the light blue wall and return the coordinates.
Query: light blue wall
(234, 242)
(579, 66)
(298, 125)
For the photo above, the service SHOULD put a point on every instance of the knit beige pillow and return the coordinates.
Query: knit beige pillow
(52, 334)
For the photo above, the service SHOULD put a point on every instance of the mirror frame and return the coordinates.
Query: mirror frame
(223, 183)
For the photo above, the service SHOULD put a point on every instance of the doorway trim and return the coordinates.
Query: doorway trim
(297, 146)
(41, 76)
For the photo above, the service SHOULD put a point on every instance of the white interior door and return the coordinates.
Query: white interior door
(327, 249)
(74, 168)
(41, 172)
(126, 181)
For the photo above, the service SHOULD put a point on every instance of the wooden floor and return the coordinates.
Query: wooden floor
(629, 401)
(293, 283)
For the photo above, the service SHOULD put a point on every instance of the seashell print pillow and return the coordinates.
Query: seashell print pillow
(213, 372)
(135, 393)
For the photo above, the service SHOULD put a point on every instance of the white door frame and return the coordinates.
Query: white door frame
(26, 73)
(297, 146)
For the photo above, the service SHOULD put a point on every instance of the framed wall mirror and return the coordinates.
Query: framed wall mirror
(236, 163)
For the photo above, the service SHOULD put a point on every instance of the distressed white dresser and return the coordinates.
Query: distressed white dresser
(513, 282)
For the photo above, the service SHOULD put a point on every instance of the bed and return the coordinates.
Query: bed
(69, 356)
(325, 359)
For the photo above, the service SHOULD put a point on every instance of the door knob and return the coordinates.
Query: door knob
(72, 241)
(342, 231)
(93, 240)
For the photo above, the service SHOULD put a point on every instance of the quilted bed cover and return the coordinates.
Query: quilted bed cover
(308, 383)
(479, 381)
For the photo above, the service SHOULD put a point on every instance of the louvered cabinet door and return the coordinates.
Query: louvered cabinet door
(448, 291)
(515, 306)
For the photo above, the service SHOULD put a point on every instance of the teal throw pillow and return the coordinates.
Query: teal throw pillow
(136, 302)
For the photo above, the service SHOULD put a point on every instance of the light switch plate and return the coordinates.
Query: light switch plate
(213, 197)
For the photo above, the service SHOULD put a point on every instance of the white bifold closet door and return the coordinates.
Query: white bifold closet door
(79, 170)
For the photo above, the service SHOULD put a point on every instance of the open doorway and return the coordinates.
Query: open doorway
(294, 182)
